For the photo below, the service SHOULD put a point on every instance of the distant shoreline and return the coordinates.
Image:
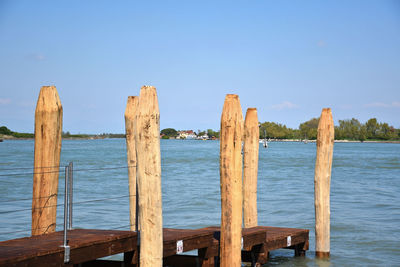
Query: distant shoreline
(338, 141)
(9, 137)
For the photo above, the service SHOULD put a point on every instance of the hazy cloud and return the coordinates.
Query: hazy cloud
(36, 57)
(284, 105)
(26, 104)
(89, 106)
(321, 43)
(345, 106)
(5, 101)
(395, 104)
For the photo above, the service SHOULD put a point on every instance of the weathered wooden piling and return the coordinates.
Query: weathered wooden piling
(130, 120)
(48, 128)
(322, 182)
(231, 181)
(250, 167)
(147, 142)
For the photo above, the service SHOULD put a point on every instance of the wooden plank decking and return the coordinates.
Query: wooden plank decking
(89, 245)
(260, 240)
(46, 250)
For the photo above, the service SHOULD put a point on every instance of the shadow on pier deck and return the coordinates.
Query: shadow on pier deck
(89, 245)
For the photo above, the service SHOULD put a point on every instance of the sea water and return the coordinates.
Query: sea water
(365, 193)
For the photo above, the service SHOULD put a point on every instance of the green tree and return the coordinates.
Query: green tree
(339, 135)
(66, 134)
(309, 128)
(350, 129)
(363, 133)
(372, 128)
(276, 131)
(386, 132)
(212, 133)
(5, 130)
(169, 132)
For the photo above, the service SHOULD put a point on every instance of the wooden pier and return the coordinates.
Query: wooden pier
(89, 245)
(227, 245)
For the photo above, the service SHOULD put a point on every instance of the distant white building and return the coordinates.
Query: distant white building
(187, 134)
(203, 137)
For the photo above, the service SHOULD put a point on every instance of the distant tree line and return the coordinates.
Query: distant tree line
(350, 129)
(209, 132)
(67, 134)
(5, 131)
(96, 136)
(112, 135)
(371, 130)
(272, 130)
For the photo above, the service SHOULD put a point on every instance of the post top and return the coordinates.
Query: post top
(131, 106)
(48, 99)
(148, 102)
(232, 96)
(148, 87)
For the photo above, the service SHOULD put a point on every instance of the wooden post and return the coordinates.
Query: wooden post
(322, 182)
(130, 116)
(48, 128)
(149, 178)
(250, 167)
(231, 181)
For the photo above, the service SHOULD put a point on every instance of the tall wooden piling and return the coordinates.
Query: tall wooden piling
(48, 128)
(231, 181)
(130, 116)
(250, 167)
(322, 182)
(149, 178)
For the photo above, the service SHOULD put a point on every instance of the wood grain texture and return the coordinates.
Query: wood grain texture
(250, 167)
(149, 178)
(88, 245)
(46, 250)
(48, 129)
(191, 238)
(130, 121)
(322, 182)
(231, 181)
(260, 240)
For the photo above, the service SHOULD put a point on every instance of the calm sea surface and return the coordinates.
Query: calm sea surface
(365, 193)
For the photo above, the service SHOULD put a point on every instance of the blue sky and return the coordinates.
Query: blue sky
(289, 59)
